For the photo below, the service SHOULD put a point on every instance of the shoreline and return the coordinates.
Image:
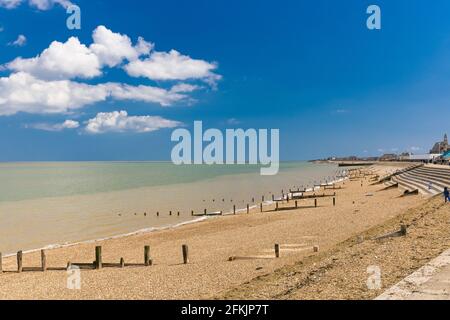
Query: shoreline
(149, 230)
(104, 215)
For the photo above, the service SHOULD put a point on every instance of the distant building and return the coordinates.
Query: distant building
(389, 157)
(441, 147)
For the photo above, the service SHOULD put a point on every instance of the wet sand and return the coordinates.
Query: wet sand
(209, 273)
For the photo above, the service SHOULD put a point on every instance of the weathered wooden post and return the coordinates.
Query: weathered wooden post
(122, 262)
(262, 198)
(296, 204)
(170, 213)
(157, 214)
(205, 212)
(43, 261)
(334, 202)
(185, 250)
(261, 207)
(178, 213)
(98, 257)
(404, 230)
(248, 209)
(147, 260)
(192, 213)
(273, 197)
(315, 203)
(19, 261)
(277, 250)
(234, 209)
(276, 208)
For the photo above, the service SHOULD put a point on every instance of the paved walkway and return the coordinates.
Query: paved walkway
(432, 282)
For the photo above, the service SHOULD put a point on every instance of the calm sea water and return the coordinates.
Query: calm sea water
(57, 203)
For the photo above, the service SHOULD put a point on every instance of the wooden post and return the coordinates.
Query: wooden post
(248, 209)
(192, 213)
(273, 197)
(334, 202)
(277, 250)
(178, 213)
(261, 207)
(404, 230)
(205, 212)
(122, 262)
(185, 250)
(157, 214)
(296, 204)
(170, 213)
(19, 261)
(315, 203)
(276, 209)
(263, 198)
(43, 261)
(98, 257)
(147, 260)
(234, 209)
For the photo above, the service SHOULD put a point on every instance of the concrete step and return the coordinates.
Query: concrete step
(412, 185)
(435, 184)
(440, 184)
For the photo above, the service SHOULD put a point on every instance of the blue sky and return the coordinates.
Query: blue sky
(310, 68)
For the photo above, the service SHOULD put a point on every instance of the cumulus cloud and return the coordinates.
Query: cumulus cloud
(120, 121)
(19, 42)
(73, 59)
(112, 48)
(45, 83)
(39, 4)
(60, 61)
(172, 66)
(22, 92)
(68, 124)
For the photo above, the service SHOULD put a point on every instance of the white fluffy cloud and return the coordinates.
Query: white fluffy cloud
(39, 4)
(120, 121)
(172, 66)
(112, 48)
(68, 124)
(60, 61)
(73, 59)
(22, 92)
(44, 84)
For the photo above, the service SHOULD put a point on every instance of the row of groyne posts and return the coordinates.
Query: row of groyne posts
(99, 264)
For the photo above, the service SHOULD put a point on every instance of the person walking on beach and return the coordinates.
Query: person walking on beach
(446, 195)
